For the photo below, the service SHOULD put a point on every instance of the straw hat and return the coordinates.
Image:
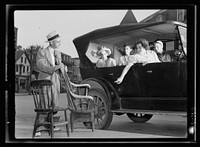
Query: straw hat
(97, 53)
(52, 36)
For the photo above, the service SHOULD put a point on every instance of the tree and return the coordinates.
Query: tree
(19, 48)
(31, 52)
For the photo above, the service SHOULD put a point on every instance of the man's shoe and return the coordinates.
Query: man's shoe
(56, 129)
(38, 134)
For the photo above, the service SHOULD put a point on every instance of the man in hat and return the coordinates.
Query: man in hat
(49, 63)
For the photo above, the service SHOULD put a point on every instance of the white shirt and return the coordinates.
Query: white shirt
(51, 50)
(148, 56)
(152, 56)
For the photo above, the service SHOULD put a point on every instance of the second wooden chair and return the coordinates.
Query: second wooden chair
(80, 104)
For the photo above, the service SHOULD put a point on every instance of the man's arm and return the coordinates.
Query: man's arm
(41, 63)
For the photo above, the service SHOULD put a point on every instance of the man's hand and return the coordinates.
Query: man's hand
(60, 66)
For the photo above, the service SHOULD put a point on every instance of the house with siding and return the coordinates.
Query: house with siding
(22, 71)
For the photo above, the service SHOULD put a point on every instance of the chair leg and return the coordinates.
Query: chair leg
(48, 119)
(71, 122)
(67, 125)
(51, 125)
(92, 117)
(35, 124)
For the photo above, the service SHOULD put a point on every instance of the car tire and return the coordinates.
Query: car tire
(139, 117)
(103, 116)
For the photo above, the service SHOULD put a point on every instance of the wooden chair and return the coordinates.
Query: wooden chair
(43, 100)
(80, 103)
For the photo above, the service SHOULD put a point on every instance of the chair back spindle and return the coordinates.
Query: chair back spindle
(42, 94)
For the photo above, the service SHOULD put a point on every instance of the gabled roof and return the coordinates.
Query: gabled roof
(18, 54)
(129, 18)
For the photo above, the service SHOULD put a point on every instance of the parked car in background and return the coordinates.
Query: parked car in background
(156, 88)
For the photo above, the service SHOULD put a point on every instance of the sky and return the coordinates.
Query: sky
(34, 25)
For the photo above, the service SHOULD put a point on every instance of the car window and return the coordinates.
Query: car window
(94, 46)
(183, 37)
(169, 46)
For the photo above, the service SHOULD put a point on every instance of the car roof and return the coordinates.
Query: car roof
(124, 33)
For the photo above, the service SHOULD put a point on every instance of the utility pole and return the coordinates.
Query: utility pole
(31, 63)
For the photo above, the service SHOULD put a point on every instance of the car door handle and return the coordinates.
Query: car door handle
(149, 71)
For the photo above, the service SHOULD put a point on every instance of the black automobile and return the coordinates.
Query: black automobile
(156, 88)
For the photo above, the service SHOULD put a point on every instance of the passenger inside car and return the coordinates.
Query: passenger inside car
(144, 55)
(103, 53)
(128, 50)
(163, 56)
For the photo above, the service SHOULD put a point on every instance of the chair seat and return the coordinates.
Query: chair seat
(60, 109)
(46, 123)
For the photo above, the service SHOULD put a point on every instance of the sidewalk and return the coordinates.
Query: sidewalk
(25, 117)
(25, 132)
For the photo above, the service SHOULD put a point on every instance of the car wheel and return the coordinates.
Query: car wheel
(103, 117)
(139, 117)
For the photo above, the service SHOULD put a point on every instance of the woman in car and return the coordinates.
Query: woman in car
(123, 60)
(144, 55)
(104, 60)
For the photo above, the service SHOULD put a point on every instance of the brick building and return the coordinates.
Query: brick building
(168, 14)
(76, 68)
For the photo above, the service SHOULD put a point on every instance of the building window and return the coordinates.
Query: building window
(22, 84)
(159, 18)
(24, 69)
(27, 68)
(16, 68)
(180, 15)
(21, 59)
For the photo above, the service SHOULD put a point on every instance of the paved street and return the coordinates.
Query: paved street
(160, 126)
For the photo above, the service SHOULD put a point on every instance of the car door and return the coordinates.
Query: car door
(155, 86)
(160, 79)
